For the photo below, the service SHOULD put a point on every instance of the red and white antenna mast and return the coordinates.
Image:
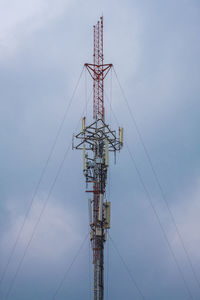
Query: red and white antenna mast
(96, 141)
(98, 70)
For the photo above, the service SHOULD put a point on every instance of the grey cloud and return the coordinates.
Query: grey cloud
(154, 47)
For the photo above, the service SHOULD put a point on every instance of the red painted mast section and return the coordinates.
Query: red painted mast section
(98, 70)
(97, 140)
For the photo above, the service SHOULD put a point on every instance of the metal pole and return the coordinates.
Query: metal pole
(96, 141)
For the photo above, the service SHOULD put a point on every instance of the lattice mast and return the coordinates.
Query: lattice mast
(96, 141)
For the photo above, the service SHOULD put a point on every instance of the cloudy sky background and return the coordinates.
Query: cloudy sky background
(154, 46)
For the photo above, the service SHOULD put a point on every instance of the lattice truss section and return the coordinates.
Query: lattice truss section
(98, 71)
(96, 141)
(97, 131)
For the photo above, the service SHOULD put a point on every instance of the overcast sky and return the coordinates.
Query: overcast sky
(154, 46)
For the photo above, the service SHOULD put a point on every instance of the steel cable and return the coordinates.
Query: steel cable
(159, 184)
(127, 269)
(39, 181)
(69, 269)
(41, 213)
(160, 224)
(108, 268)
(36, 224)
(157, 217)
(89, 271)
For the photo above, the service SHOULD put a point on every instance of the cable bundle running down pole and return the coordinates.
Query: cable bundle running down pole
(96, 141)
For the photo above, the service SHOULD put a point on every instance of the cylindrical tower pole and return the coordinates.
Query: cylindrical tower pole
(99, 182)
(96, 140)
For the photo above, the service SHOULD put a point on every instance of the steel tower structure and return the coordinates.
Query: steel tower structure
(96, 141)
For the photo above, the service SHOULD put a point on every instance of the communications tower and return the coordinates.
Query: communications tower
(96, 141)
